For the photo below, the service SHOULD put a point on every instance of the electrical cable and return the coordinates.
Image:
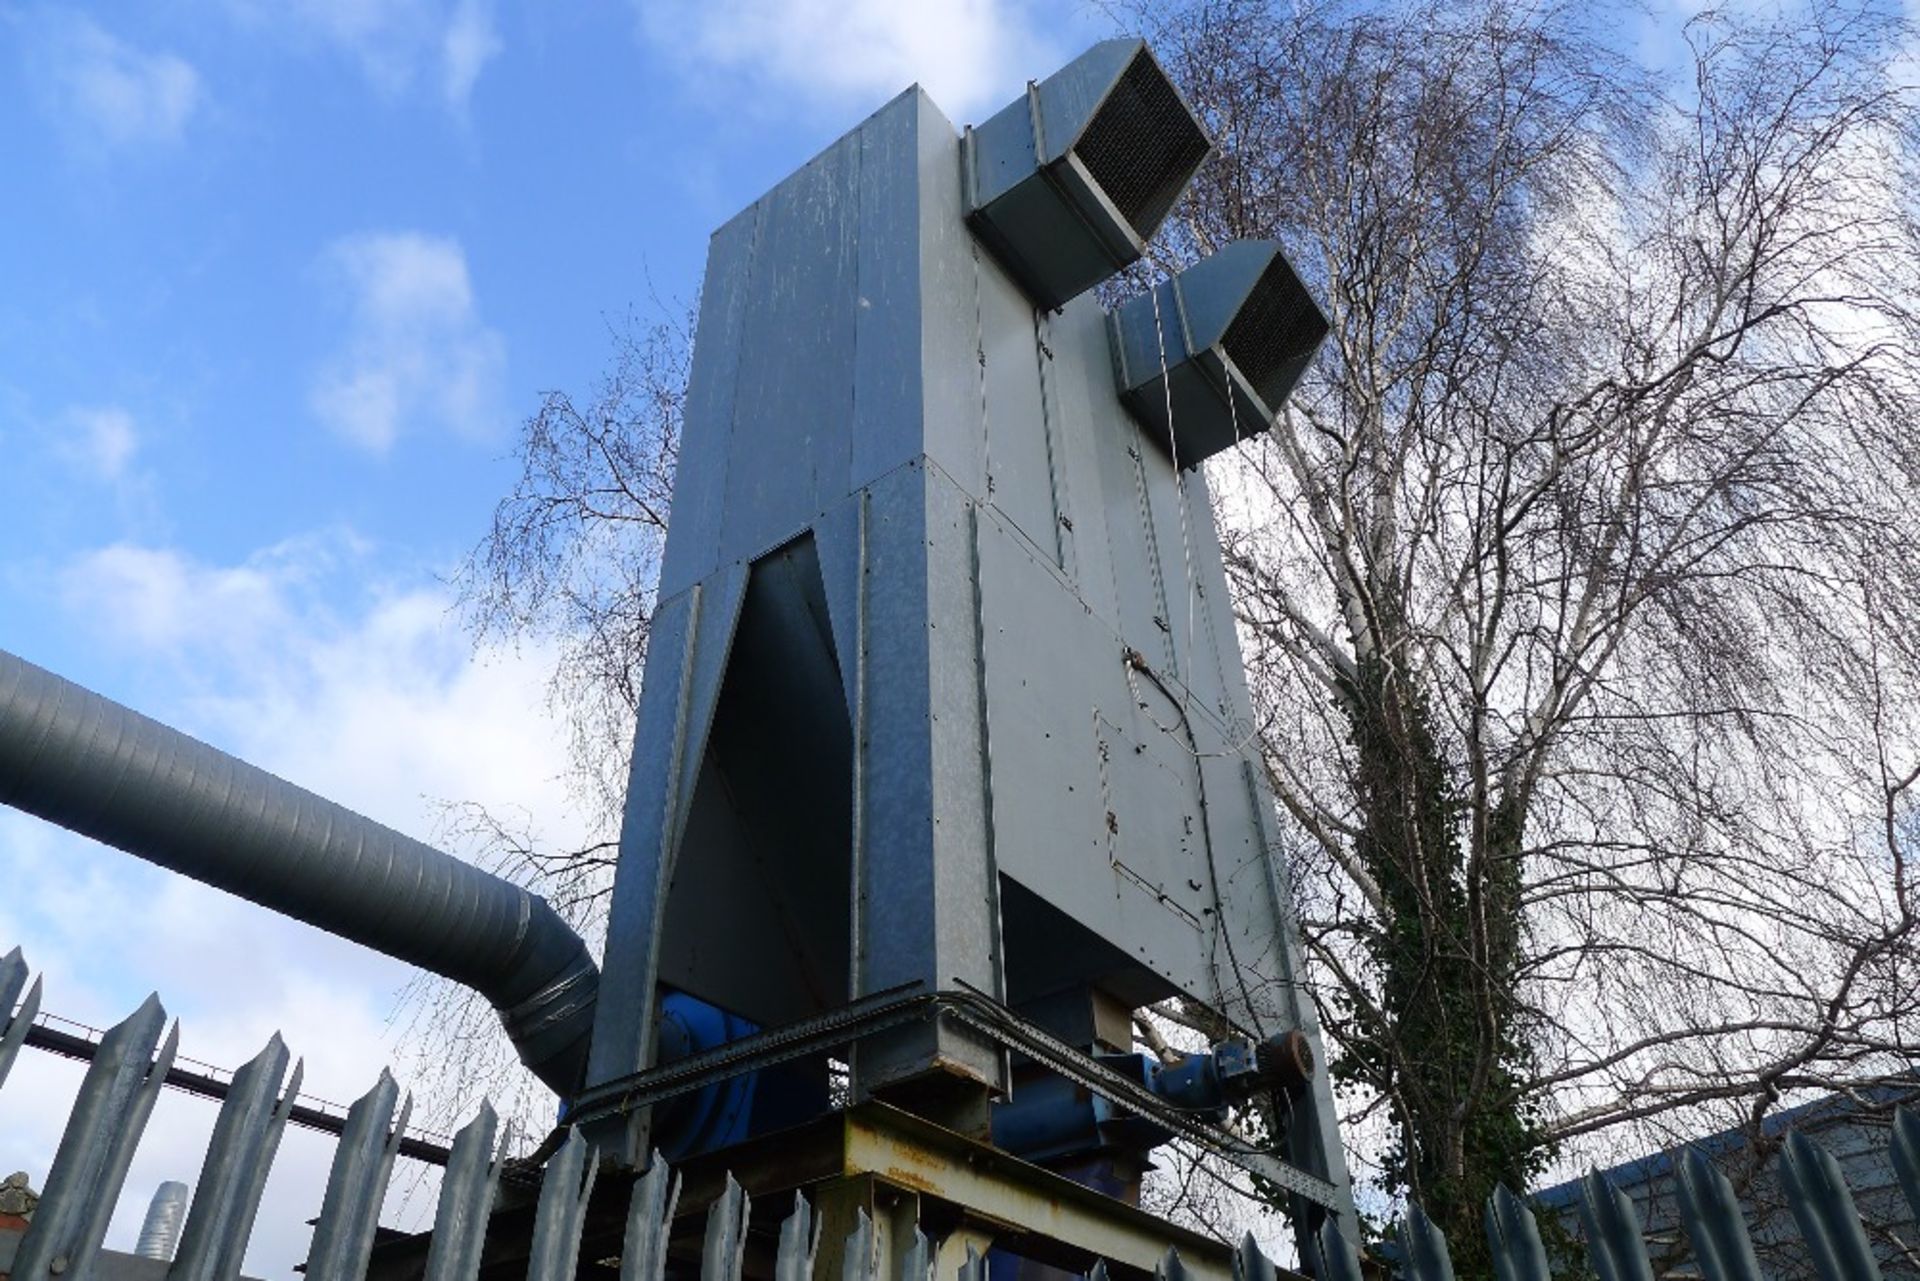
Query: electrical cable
(1135, 660)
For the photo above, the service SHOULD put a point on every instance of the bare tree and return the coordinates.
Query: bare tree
(572, 556)
(1579, 580)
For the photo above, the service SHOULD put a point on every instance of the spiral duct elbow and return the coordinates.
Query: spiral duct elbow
(87, 763)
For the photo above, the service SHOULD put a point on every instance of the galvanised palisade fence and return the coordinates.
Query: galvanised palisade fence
(131, 1062)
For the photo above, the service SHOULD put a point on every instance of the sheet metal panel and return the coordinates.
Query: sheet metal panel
(1134, 547)
(951, 429)
(968, 941)
(1225, 692)
(924, 880)
(790, 452)
(1080, 826)
(693, 536)
(1080, 400)
(887, 367)
(840, 536)
(1019, 453)
(896, 893)
(686, 658)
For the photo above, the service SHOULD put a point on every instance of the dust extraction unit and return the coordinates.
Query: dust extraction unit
(943, 701)
(944, 764)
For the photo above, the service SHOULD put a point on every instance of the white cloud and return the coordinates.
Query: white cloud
(382, 704)
(416, 350)
(98, 440)
(970, 55)
(111, 92)
(469, 43)
(394, 43)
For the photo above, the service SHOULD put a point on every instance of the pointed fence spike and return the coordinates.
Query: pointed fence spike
(1249, 1264)
(246, 1135)
(392, 1147)
(13, 977)
(857, 1262)
(15, 1034)
(1336, 1256)
(1614, 1245)
(1715, 1226)
(1906, 1155)
(90, 1165)
(974, 1267)
(1425, 1247)
(1823, 1207)
(356, 1185)
(917, 1263)
(643, 1255)
(565, 1190)
(1514, 1238)
(799, 1239)
(1170, 1267)
(466, 1199)
(726, 1241)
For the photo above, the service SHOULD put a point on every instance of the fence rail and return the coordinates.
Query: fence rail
(131, 1061)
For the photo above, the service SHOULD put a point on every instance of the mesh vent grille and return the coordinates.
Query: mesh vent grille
(1274, 333)
(1142, 146)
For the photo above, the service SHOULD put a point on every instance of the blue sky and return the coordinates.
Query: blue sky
(277, 280)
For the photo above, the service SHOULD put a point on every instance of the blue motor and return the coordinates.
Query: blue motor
(1049, 1119)
(730, 1110)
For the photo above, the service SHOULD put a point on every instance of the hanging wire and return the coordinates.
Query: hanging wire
(1183, 699)
(1134, 661)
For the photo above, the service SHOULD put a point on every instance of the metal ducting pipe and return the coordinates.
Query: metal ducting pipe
(85, 762)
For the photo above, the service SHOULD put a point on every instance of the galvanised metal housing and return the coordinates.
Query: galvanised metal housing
(942, 690)
(1067, 183)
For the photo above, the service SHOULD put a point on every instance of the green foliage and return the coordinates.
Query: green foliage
(1455, 1054)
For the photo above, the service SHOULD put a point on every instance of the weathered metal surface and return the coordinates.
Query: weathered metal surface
(160, 1230)
(466, 1199)
(871, 1146)
(916, 1261)
(884, 1173)
(1514, 1237)
(1714, 1223)
(1423, 1248)
(1824, 1208)
(13, 1031)
(799, 1244)
(565, 1189)
(1206, 357)
(859, 1258)
(356, 1184)
(643, 1254)
(726, 1241)
(1614, 1239)
(246, 1137)
(913, 1154)
(115, 1101)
